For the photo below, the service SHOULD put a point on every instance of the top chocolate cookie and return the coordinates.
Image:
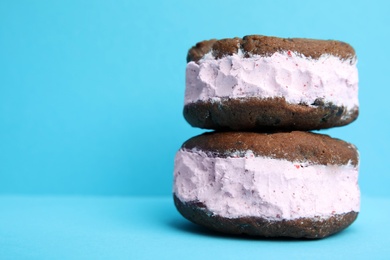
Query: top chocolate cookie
(266, 46)
(262, 83)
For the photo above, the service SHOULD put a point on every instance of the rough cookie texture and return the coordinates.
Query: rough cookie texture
(266, 46)
(266, 115)
(297, 228)
(291, 146)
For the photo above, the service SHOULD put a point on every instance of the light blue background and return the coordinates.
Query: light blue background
(91, 92)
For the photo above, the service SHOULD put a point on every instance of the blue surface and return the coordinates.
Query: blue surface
(151, 228)
(91, 92)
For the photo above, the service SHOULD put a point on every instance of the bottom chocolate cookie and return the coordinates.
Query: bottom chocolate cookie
(266, 115)
(254, 226)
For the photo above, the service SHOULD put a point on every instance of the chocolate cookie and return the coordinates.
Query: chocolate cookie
(293, 184)
(266, 83)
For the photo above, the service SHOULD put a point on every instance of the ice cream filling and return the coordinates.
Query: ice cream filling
(299, 79)
(273, 189)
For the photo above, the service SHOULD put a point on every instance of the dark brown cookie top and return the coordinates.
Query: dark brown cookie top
(267, 45)
(294, 146)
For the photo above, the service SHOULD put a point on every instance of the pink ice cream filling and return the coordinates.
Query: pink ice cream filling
(298, 79)
(274, 189)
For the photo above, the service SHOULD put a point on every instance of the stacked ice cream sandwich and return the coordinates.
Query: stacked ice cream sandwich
(261, 172)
